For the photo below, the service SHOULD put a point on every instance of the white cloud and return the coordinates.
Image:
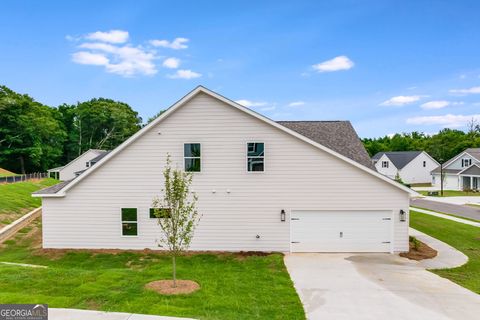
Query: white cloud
(171, 63)
(296, 104)
(335, 64)
(400, 100)
(184, 74)
(123, 60)
(112, 36)
(447, 121)
(250, 104)
(473, 90)
(439, 104)
(84, 57)
(176, 44)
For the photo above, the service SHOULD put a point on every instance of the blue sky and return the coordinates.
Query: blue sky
(387, 66)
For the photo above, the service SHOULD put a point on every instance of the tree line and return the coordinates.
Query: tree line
(35, 137)
(442, 146)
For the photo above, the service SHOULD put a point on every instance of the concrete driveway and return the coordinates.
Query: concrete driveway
(376, 286)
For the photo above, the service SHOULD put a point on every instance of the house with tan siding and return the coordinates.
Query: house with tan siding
(299, 186)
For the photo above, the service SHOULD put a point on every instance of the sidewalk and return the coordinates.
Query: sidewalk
(447, 256)
(446, 216)
(75, 314)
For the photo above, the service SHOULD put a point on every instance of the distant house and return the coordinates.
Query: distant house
(461, 172)
(78, 165)
(410, 166)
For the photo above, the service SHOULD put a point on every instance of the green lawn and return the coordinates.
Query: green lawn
(232, 286)
(452, 193)
(460, 236)
(16, 199)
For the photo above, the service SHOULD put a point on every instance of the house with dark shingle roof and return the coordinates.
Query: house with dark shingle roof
(461, 172)
(410, 166)
(78, 165)
(262, 185)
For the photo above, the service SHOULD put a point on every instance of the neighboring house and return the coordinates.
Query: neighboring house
(77, 166)
(261, 185)
(461, 172)
(411, 166)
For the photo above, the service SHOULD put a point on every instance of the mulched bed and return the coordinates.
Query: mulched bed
(166, 286)
(423, 252)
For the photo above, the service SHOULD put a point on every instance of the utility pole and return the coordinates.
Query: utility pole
(441, 177)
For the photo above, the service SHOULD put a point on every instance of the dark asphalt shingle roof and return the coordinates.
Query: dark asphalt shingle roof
(474, 152)
(99, 157)
(474, 169)
(53, 189)
(399, 158)
(340, 136)
(453, 171)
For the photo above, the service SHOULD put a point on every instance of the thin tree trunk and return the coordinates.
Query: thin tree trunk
(22, 165)
(174, 272)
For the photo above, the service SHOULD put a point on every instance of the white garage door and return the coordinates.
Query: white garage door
(341, 231)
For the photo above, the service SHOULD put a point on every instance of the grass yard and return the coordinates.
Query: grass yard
(449, 214)
(16, 199)
(460, 236)
(6, 173)
(233, 286)
(452, 193)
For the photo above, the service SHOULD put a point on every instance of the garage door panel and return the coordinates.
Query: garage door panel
(341, 231)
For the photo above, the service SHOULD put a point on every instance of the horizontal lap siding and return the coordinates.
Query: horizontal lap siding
(298, 176)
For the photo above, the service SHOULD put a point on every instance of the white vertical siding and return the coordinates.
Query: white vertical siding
(391, 171)
(415, 172)
(298, 176)
(78, 164)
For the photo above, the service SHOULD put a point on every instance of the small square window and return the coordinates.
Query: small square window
(255, 156)
(129, 222)
(87, 164)
(192, 157)
(384, 164)
(161, 213)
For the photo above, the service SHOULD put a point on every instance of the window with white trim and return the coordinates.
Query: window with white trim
(466, 162)
(192, 157)
(424, 164)
(255, 156)
(129, 222)
(384, 164)
(87, 164)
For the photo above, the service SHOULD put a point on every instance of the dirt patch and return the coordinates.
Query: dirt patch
(420, 253)
(166, 287)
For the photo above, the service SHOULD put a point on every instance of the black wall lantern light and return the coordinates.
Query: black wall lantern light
(282, 215)
(403, 216)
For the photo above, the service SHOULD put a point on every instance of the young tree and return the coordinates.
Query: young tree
(176, 213)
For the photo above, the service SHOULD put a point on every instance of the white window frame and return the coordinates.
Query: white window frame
(122, 222)
(263, 157)
(87, 164)
(184, 157)
(385, 164)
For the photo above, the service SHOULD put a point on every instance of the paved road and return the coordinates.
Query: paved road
(461, 211)
(376, 286)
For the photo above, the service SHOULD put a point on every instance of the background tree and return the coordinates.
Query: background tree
(31, 134)
(98, 124)
(176, 213)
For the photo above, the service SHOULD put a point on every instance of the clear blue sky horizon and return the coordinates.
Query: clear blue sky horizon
(386, 66)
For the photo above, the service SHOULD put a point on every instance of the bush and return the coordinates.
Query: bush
(416, 243)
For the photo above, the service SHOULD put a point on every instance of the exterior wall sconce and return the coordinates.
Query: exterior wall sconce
(282, 215)
(403, 216)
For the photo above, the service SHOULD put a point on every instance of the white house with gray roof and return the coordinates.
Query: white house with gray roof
(301, 186)
(77, 165)
(410, 166)
(462, 172)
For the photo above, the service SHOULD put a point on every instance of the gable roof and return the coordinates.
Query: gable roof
(474, 169)
(399, 158)
(188, 97)
(473, 152)
(340, 136)
(99, 157)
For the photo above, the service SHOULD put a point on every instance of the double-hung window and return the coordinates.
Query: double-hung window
(163, 213)
(129, 222)
(384, 164)
(466, 162)
(192, 157)
(255, 156)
